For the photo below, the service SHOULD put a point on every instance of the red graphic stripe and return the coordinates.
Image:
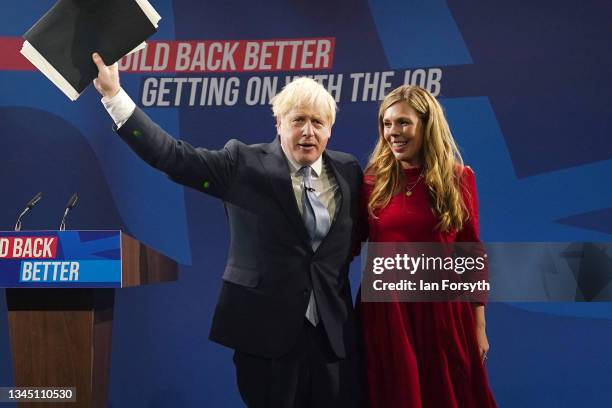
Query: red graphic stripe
(28, 247)
(10, 58)
(209, 56)
(205, 56)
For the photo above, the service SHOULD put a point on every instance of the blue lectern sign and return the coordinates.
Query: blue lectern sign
(60, 259)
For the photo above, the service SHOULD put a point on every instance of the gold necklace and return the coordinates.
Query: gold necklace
(409, 189)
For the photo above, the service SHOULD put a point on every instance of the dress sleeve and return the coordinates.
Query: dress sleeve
(470, 231)
(366, 191)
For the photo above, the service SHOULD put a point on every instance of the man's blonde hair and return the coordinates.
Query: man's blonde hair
(304, 92)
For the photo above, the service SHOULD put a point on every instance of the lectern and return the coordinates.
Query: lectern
(60, 289)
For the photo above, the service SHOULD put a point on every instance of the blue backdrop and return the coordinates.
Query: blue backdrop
(526, 87)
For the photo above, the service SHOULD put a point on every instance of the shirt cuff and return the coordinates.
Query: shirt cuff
(120, 107)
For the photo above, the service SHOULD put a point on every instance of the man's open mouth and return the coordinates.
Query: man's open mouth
(306, 145)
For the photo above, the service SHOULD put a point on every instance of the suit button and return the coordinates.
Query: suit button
(305, 291)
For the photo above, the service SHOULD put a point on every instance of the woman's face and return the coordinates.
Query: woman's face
(403, 131)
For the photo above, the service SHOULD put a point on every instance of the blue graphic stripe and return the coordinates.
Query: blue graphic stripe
(428, 36)
(67, 285)
(75, 247)
(108, 271)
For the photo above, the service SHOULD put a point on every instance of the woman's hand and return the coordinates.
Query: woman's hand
(481, 333)
(483, 342)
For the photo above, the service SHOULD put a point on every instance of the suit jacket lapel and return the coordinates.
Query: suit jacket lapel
(345, 195)
(275, 164)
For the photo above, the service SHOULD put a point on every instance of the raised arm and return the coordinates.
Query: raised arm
(210, 171)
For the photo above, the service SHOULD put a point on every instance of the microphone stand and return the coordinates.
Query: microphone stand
(27, 209)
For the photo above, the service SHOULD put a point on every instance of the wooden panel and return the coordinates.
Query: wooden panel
(102, 336)
(142, 265)
(130, 261)
(62, 337)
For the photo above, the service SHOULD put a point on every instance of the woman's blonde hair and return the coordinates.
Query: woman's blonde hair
(442, 161)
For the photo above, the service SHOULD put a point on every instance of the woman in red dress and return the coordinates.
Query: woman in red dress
(416, 189)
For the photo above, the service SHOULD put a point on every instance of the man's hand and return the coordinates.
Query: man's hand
(107, 82)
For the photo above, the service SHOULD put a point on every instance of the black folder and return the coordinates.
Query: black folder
(72, 30)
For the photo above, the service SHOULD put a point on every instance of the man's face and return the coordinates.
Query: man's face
(304, 132)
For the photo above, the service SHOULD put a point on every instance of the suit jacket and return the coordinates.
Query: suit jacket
(271, 267)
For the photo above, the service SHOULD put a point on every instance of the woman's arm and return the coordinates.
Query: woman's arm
(480, 326)
(471, 233)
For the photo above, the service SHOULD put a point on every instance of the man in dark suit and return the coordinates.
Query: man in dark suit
(293, 209)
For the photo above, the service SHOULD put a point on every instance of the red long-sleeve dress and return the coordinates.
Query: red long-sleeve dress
(422, 355)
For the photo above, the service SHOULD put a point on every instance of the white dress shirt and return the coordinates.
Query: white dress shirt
(323, 181)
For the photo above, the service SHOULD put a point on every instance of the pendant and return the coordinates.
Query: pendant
(408, 193)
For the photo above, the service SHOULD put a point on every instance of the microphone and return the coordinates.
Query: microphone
(310, 189)
(28, 207)
(69, 206)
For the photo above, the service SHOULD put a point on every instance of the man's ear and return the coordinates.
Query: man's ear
(278, 124)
